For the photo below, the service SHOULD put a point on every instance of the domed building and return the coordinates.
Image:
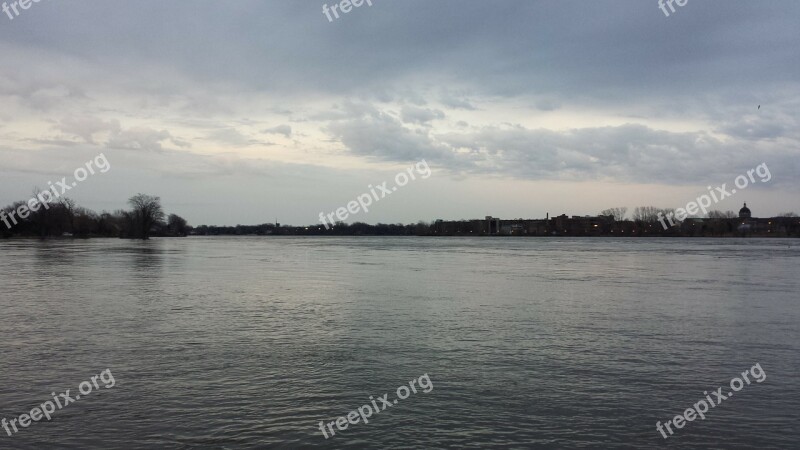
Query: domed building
(746, 227)
(744, 213)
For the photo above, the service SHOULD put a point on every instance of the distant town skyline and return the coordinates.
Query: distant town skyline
(241, 112)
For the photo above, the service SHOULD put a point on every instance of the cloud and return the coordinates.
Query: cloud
(383, 137)
(452, 100)
(547, 105)
(142, 138)
(421, 116)
(627, 153)
(761, 127)
(232, 137)
(284, 130)
(86, 127)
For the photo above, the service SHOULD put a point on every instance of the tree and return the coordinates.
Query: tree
(68, 208)
(45, 218)
(146, 213)
(618, 213)
(717, 214)
(123, 223)
(787, 214)
(422, 228)
(85, 222)
(108, 225)
(646, 214)
(177, 225)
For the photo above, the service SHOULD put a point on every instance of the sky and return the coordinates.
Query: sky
(247, 112)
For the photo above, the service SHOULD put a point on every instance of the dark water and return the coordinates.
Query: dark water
(547, 343)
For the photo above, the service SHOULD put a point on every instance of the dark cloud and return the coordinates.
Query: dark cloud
(284, 130)
(383, 137)
(421, 116)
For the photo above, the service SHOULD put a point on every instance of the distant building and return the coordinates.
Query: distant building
(744, 225)
(492, 225)
(744, 213)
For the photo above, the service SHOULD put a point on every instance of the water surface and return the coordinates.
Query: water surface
(548, 343)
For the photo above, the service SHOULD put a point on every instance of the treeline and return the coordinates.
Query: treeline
(645, 214)
(340, 229)
(37, 218)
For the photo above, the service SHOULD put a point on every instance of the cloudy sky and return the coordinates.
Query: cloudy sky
(247, 111)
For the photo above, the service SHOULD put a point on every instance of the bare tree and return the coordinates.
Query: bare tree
(646, 214)
(68, 207)
(146, 213)
(177, 225)
(42, 217)
(618, 213)
(717, 214)
(85, 222)
(787, 214)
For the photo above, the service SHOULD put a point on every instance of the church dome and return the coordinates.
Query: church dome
(744, 213)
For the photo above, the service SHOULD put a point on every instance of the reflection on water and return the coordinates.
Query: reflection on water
(250, 342)
(147, 258)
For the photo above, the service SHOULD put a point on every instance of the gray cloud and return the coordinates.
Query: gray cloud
(383, 137)
(284, 130)
(87, 127)
(233, 138)
(413, 114)
(143, 138)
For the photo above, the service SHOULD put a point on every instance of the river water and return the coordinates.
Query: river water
(250, 342)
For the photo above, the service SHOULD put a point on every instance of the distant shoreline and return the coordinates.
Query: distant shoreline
(505, 237)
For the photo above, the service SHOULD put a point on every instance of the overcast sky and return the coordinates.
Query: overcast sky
(241, 112)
